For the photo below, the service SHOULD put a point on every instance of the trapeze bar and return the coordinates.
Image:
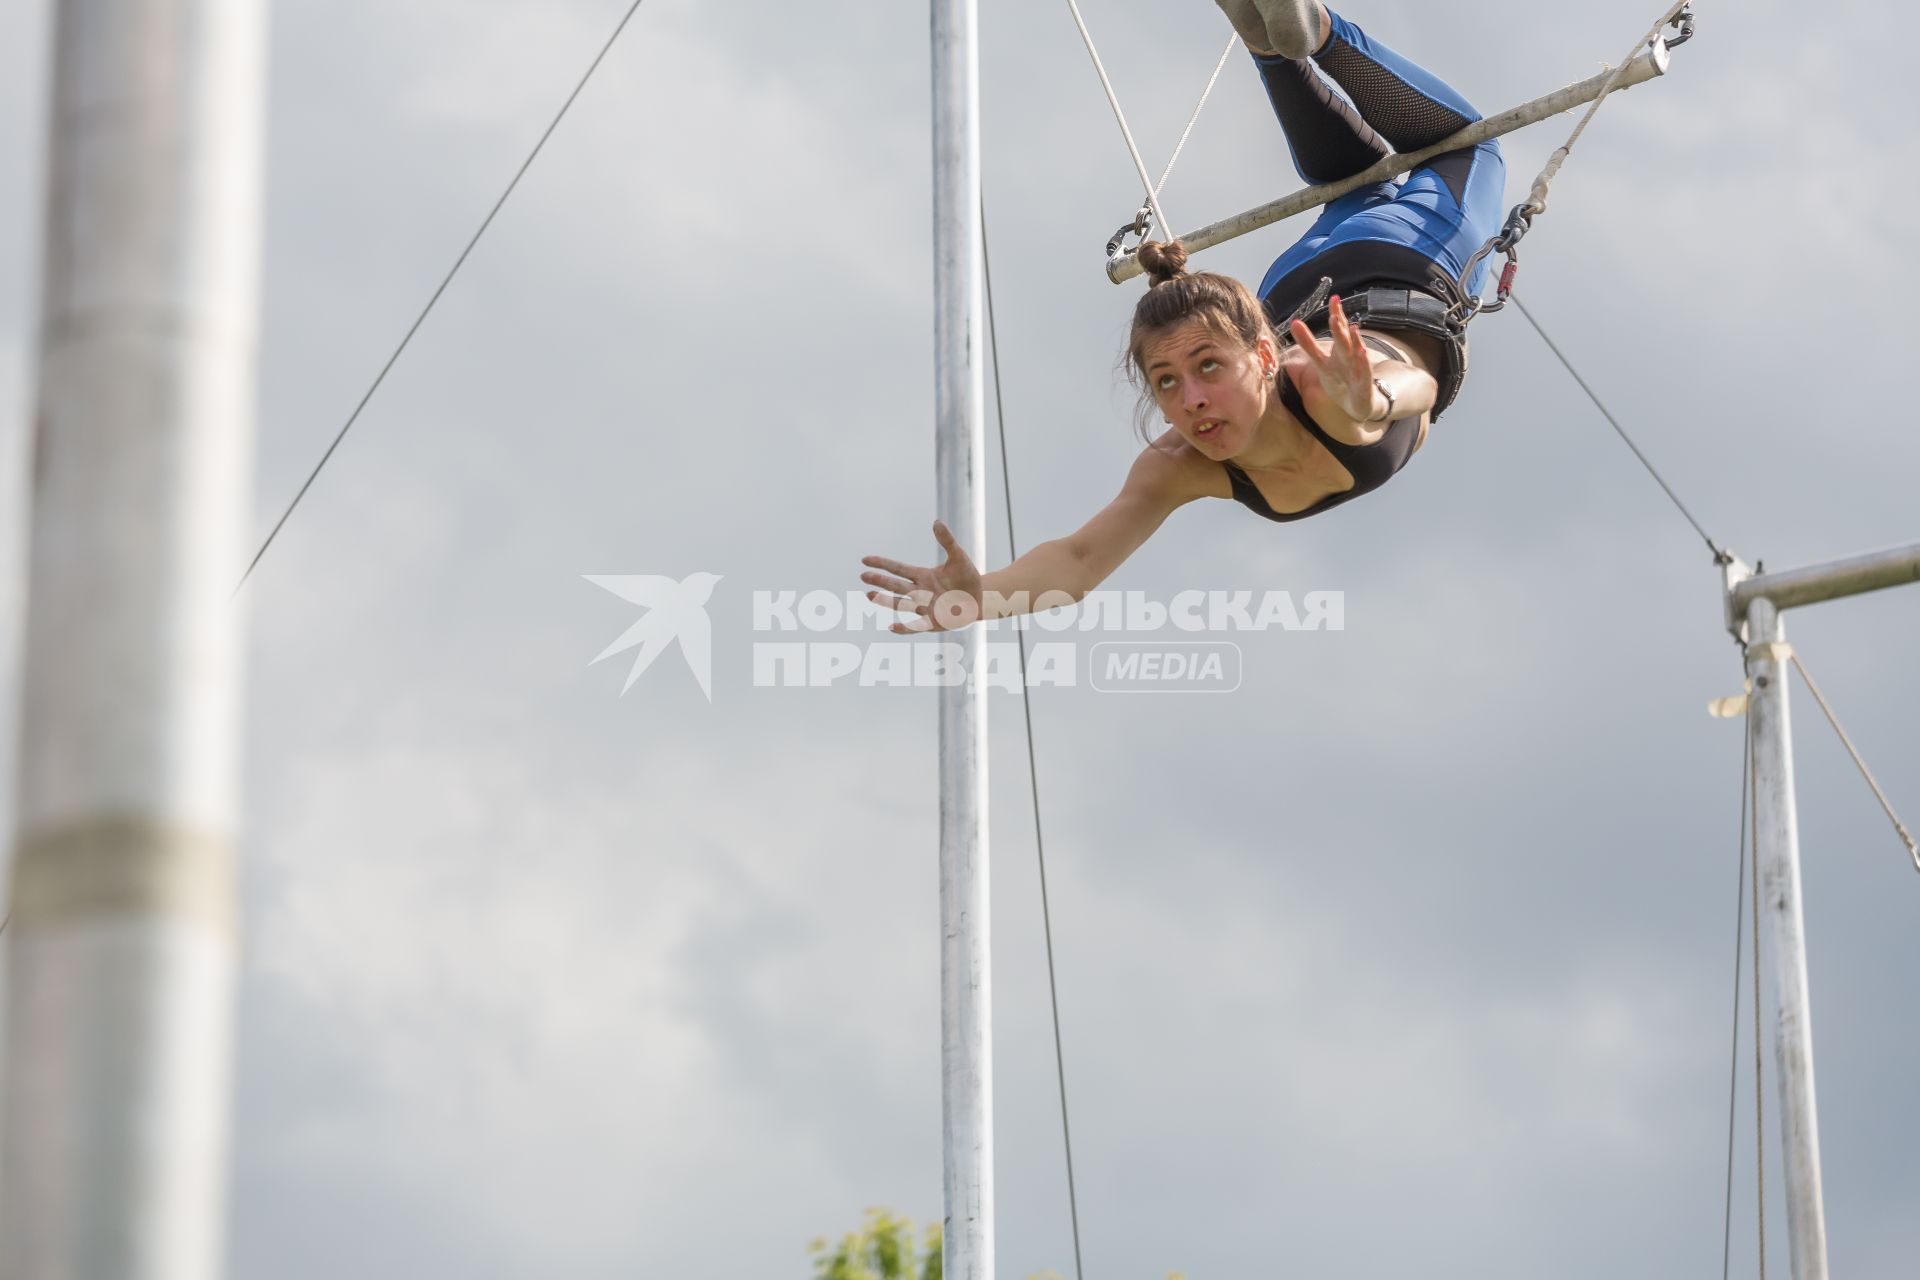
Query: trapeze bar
(1646, 66)
(1895, 567)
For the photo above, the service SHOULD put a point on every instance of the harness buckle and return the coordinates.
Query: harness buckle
(1308, 311)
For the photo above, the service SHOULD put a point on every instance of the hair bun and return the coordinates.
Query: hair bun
(1163, 261)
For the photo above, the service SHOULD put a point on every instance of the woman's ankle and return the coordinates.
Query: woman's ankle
(1325, 33)
(1295, 29)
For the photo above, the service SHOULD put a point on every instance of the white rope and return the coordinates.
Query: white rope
(1906, 837)
(1537, 197)
(1133, 149)
(1233, 41)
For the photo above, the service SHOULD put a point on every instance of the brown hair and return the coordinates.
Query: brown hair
(1173, 297)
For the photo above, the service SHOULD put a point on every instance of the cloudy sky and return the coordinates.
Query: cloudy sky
(1414, 953)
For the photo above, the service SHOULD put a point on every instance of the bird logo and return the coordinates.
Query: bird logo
(674, 611)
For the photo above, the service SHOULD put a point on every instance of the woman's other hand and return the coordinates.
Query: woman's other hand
(1340, 377)
(942, 598)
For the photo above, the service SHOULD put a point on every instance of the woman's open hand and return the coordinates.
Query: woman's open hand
(944, 598)
(1341, 375)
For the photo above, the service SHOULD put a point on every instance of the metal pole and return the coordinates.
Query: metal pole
(966, 1058)
(119, 986)
(1777, 842)
(1816, 584)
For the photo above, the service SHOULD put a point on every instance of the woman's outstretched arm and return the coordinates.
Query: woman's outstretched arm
(955, 593)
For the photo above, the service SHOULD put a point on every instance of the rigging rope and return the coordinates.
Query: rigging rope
(1033, 768)
(1759, 1102)
(1143, 219)
(424, 311)
(1133, 148)
(1520, 220)
(1900, 828)
(1232, 41)
(1733, 1066)
(1537, 197)
(1621, 431)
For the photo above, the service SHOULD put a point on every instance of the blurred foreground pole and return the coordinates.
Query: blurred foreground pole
(966, 1058)
(119, 979)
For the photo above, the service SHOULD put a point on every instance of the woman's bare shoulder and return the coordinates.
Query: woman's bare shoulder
(1178, 464)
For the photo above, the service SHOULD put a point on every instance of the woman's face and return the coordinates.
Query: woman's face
(1212, 389)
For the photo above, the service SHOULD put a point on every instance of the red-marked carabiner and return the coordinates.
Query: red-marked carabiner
(1507, 273)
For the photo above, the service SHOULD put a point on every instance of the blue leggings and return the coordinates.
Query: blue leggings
(1444, 210)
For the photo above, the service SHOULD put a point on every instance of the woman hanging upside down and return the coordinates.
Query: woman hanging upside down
(1291, 425)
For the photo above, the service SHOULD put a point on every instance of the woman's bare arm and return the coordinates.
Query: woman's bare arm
(1163, 478)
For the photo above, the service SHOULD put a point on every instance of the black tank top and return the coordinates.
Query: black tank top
(1371, 465)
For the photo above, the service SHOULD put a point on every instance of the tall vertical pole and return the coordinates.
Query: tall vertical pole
(966, 1058)
(119, 985)
(1777, 840)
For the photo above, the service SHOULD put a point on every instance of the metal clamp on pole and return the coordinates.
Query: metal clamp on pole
(1142, 223)
(1684, 21)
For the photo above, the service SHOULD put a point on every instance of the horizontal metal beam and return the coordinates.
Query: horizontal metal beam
(1649, 64)
(1894, 567)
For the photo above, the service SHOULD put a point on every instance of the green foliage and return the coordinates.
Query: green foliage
(884, 1248)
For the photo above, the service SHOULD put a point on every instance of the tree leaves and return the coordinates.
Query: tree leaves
(884, 1248)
